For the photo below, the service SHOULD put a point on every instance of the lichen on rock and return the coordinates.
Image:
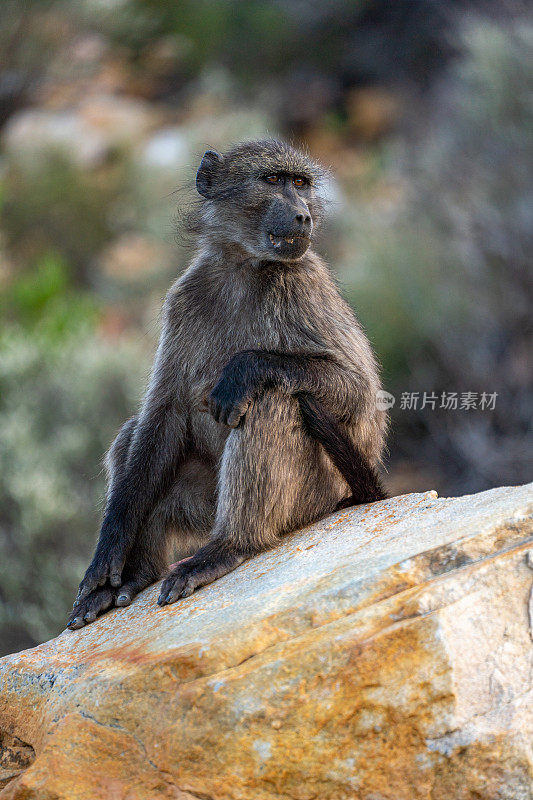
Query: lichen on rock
(384, 652)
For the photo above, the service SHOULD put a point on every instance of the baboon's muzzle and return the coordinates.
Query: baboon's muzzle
(288, 227)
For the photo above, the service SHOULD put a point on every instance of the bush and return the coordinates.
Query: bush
(54, 207)
(444, 282)
(43, 301)
(59, 409)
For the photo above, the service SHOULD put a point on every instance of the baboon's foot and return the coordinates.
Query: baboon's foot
(204, 567)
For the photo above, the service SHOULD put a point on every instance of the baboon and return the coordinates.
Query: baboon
(260, 414)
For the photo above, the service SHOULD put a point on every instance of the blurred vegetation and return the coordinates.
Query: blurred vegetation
(422, 109)
(64, 392)
(287, 43)
(447, 284)
(25, 45)
(55, 207)
(61, 401)
(45, 304)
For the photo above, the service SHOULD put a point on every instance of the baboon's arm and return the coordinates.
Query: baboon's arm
(361, 477)
(327, 393)
(321, 375)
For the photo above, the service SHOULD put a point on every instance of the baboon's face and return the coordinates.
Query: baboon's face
(262, 197)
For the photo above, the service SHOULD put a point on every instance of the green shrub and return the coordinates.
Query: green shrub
(442, 279)
(54, 207)
(43, 301)
(60, 406)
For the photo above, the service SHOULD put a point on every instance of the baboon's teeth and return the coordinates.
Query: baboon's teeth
(277, 241)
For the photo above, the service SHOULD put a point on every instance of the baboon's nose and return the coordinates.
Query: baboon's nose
(303, 219)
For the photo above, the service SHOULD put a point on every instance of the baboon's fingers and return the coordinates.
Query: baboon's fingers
(97, 575)
(88, 585)
(228, 413)
(88, 609)
(127, 592)
(173, 586)
(115, 573)
(102, 568)
(137, 581)
(125, 596)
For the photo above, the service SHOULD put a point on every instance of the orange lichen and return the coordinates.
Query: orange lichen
(323, 685)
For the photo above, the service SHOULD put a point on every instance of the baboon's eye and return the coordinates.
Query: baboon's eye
(272, 178)
(299, 182)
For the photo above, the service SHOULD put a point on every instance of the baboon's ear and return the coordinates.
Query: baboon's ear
(208, 173)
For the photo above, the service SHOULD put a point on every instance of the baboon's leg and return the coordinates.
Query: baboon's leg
(102, 598)
(118, 452)
(185, 515)
(273, 479)
(184, 519)
(145, 564)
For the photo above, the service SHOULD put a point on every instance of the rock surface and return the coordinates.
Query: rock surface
(85, 134)
(384, 653)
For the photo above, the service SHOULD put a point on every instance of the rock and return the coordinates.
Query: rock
(167, 149)
(384, 653)
(84, 134)
(372, 112)
(132, 255)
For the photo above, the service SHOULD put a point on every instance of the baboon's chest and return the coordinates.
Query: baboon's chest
(237, 319)
(267, 321)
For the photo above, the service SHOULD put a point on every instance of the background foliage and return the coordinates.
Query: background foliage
(423, 111)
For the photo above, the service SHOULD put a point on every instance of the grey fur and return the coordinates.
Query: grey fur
(175, 474)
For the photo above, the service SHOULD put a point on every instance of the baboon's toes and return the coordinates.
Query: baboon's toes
(180, 583)
(124, 599)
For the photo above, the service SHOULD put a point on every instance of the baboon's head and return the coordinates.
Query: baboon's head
(261, 196)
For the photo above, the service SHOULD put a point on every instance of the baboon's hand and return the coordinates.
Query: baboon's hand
(92, 606)
(106, 565)
(229, 401)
